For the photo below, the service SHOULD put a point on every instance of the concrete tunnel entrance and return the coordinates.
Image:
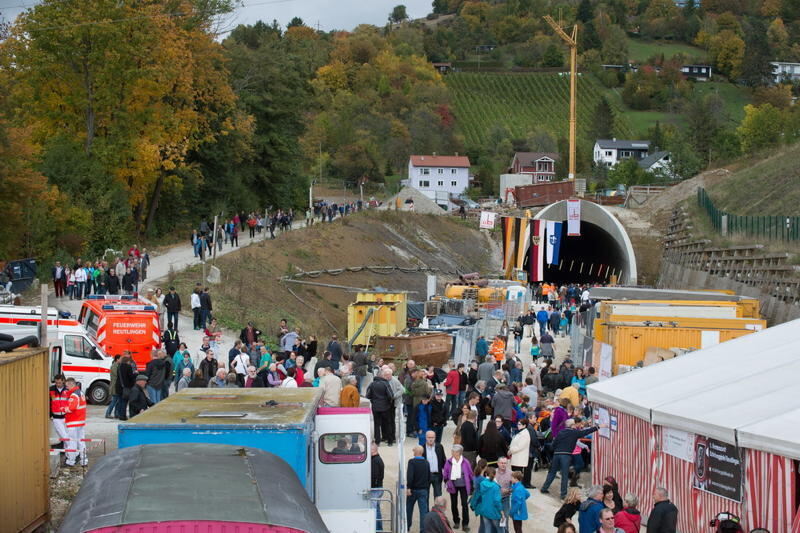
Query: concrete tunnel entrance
(602, 249)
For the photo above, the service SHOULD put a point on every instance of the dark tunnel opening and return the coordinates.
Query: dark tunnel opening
(591, 258)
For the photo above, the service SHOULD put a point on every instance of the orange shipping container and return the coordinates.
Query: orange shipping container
(630, 342)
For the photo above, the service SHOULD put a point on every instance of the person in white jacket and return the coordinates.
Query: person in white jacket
(519, 449)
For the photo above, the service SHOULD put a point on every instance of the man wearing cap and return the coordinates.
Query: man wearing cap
(172, 303)
(138, 400)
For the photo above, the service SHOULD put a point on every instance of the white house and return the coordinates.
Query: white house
(609, 152)
(658, 163)
(783, 71)
(439, 176)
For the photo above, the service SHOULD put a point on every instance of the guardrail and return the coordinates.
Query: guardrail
(772, 227)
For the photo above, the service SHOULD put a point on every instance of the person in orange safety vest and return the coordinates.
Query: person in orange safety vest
(498, 350)
(75, 416)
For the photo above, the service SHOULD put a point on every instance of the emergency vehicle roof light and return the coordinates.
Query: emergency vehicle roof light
(128, 307)
(110, 297)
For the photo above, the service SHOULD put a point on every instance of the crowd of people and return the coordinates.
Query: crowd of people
(83, 278)
(508, 420)
(534, 418)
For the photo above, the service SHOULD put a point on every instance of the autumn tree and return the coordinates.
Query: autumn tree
(761, 127)
(727, 52)
(138, 97)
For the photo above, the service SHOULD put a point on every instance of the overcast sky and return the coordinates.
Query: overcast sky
(331, 14)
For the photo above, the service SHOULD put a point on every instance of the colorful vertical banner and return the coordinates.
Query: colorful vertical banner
(553, 242)
(524, 241)
(573, 218)
(537, 251)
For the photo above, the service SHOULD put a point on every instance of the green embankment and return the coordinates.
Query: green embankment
(523, 101)
(769, 186)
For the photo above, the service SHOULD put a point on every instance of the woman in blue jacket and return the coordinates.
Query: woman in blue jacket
(580, 379)
(489, 506)
(519, 509)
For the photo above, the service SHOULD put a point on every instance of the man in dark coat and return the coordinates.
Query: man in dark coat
(380, 394)
(664, 516)
(138, 400)
(172, 303)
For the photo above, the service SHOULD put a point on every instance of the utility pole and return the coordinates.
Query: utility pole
(214, 239)
(572, 42)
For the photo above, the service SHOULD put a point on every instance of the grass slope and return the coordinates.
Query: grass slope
(640, 50)
(770, 186)
(251, 291)
(521, 102)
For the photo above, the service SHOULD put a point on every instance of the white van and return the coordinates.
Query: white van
(72, 351)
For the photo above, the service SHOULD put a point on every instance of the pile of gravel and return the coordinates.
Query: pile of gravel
(422, 204)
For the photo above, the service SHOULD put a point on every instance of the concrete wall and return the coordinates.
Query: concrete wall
(773, 310)
(601, 217)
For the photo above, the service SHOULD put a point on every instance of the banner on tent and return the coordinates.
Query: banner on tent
(717, 468)
(678, 443)
(573, 218)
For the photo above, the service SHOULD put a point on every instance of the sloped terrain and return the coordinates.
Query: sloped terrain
(251, 290)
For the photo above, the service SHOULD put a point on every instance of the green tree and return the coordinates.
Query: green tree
(761, 127)
(585, 11)
(553, 57)
(626, 172)
(602, 125)
(398, 14)
(756, 69)
(295, 22)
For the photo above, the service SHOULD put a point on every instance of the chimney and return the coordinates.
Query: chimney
(434, 154)
(614, 139)
(456, 154)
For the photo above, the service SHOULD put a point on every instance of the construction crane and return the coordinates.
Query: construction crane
(572, 42)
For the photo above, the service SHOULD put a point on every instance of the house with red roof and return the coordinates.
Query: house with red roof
(439, 176)
(540, 165)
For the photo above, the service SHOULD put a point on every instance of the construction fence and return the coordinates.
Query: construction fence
(777, 227)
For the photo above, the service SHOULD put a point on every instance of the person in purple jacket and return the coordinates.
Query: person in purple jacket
(459, 480)
(559, 417)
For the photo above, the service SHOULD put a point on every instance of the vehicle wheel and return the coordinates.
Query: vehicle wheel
(99, 394)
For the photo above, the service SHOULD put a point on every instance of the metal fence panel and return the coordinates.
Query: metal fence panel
(771, 227)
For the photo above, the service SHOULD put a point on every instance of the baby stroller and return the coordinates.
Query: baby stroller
(727, 522)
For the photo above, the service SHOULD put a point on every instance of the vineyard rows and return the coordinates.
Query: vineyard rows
(522, 101)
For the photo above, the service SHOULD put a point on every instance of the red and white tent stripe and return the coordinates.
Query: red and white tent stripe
(633, 456)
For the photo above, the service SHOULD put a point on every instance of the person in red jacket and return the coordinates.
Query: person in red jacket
(629, 519)
(59, 397)
(75, 417)
(451, 383)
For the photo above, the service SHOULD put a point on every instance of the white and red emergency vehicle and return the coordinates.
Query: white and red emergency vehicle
(122, 323)
(72, 350)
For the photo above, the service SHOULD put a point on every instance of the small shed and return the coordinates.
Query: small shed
(716, 427)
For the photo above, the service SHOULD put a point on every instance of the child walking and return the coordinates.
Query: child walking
(519, 494)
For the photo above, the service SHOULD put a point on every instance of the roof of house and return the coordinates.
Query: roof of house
(650, 160)
(623, 145)
(720, 392)
(458, 161)
(171, 482)
(528, 158)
